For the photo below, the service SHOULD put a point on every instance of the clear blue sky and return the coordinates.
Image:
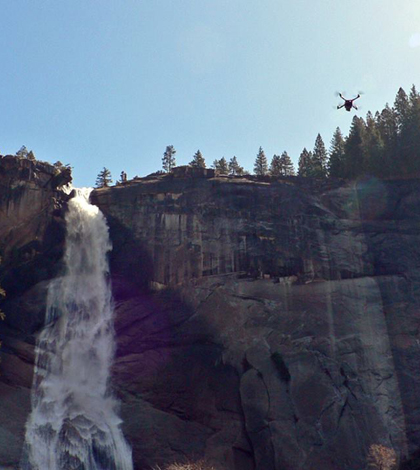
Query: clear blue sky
(97, 83)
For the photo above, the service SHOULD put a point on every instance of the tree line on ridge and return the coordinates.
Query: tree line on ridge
(386, 144)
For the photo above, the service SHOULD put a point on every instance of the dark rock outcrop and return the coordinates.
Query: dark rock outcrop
(261, 324)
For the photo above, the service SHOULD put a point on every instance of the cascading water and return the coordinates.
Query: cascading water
(73, 424)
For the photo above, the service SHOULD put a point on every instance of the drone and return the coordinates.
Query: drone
(348, 104)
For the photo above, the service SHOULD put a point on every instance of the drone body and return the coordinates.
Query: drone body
(348, 104)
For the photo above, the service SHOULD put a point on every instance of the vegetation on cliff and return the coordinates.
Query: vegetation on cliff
(382, 458)
(103, 180)
(168, 159)
(198, 160)
(384, 144)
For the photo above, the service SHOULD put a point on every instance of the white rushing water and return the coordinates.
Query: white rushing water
(73, 424)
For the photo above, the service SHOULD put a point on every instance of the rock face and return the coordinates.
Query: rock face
(294, 340)
(31, 246)
(31, 234)
(261, 324)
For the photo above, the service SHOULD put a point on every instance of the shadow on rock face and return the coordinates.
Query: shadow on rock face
(179, 399)
(26, 276)
(130, 263)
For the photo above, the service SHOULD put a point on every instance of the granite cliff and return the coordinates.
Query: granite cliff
(262, 324)
(32, 232)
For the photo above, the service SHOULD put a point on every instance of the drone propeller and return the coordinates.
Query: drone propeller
(344, 94)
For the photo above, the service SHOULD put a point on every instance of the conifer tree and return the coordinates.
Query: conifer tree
(221, 166)
(261, 165)
(413, 157)
(319, 158)
(168, 159)
(336, 160)
(401, 106)
(373, 148)
(287, 165)
(276, 166)
(198, 160)
(103, 179)
(354, 161)
(234, 168)
(402, 114)
(386, 124)
(305, 163)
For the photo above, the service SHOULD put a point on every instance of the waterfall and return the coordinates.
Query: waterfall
(74, 424)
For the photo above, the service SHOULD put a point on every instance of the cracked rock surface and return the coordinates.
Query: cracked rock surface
(261, 324)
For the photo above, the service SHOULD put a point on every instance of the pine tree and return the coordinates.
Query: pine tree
(221, 166)
(336, 160)
(168, 159)
(276, 167)
(374, 148)
(282, 165)
(261, 165)
(386, 124)
(401, 107)
(413, 157)
(402, 114)
(355, 152)
(287, 165)
(198, 160)
(103, 180)
(305, 164)
(234, 167)
(319, 158)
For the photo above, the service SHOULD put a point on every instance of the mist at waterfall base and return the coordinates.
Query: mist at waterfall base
(74, 423)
